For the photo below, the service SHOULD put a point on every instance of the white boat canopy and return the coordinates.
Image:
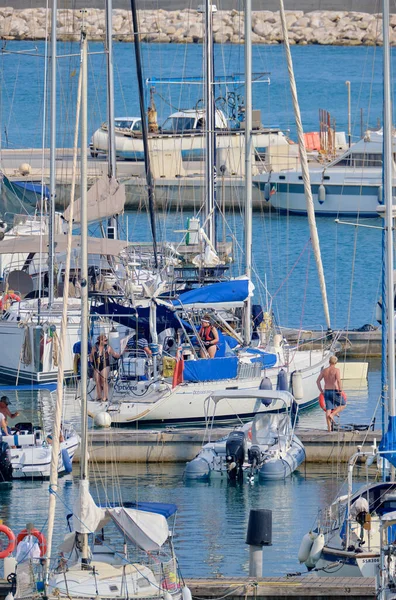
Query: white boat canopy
(146, 529)
(26, 244)
(283, 396)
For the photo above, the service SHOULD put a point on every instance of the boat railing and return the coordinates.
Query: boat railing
(249, 370)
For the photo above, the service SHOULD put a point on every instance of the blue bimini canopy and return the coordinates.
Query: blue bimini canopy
(159, 508)
(387, 446)
(233, 292)
(36, 188)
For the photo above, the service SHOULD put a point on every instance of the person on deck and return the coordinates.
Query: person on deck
(100, 357)
(209, 337)
(137, 343)
(334, 402)
(4, 403)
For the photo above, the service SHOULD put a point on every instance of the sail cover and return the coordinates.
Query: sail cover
(104, 199)
(86, 515)
(235, 292)
(387, 446)
(146, 529)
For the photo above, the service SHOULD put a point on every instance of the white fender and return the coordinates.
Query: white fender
(167, 596)
(186, 593)
(102, 419)
(297, 385)
(310, 564)
(321, 193)
(317, 548)
(305, 546)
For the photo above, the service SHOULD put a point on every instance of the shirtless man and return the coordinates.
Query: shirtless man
(4, 403)
(332, 391)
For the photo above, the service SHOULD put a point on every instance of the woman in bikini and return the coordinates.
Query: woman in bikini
(100, 357)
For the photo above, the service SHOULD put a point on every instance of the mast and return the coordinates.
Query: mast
(387, 183)
(147, 165)
(84, 277)
(305, 170)
(210, 167)
(111, 151)
(248, 165)
(51, 208)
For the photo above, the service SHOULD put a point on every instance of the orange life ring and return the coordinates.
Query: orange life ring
(9, 296)
(38, 535)
(322, 403)
(11, 541)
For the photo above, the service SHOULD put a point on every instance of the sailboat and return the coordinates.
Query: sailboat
(349, 535)
(88, 566)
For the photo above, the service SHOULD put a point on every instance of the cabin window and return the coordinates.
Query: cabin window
(137, 126)
(282, 176)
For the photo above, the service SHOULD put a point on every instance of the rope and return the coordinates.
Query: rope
(304, 168)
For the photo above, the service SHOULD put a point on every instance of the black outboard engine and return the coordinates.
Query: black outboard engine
(255, 458)
(5, 463)
(235, 455)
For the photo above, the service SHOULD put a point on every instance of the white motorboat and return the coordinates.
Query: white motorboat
(267, 447)
(350, 185)
(27, 451)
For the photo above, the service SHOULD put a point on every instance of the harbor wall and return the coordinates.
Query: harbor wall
(324, 27)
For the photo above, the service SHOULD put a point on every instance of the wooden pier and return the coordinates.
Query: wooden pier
(181, 445)
(306, 586)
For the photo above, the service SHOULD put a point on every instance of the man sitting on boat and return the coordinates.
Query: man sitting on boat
(4, 403)
(209, 337)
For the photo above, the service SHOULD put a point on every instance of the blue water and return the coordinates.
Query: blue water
(212, 521)
(321, 72)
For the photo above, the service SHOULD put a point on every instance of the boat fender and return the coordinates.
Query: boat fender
(167, 596)
(186, 593)
(281, 383)
(321, 194)
(40, 537)
(10, 596)
(11, 541)
(67, 461)
(322, 403)
(305, 546)
(267, 191)
(310, 564)
(317, 548)
(265, 384)
(297, 385)
(380, 196)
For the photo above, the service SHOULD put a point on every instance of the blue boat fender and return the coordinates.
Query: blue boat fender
(67, 461)
(282, 383)
(265, 384)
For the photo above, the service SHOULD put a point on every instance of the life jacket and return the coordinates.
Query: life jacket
(206, 333)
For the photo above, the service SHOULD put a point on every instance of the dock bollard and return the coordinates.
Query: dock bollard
(259, 534)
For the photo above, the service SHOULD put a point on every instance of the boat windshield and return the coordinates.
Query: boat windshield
(361, 159)
(178, 124)
(123, 124)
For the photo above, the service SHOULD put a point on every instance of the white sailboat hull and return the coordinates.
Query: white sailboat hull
(185, 404)
(34, 462)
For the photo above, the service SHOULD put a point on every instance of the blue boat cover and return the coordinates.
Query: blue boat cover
(265, 358)
(236, 290)
(138, 318)
(160, 508)
(33, 187)
(388, 442)
(210, 369)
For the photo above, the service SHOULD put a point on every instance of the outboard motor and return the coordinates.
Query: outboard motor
(5, 462)
(255, 458)
(235, 455)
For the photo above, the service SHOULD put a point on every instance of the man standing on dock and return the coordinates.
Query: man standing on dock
(334, 401)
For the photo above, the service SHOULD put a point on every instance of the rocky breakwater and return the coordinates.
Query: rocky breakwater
(185, 26)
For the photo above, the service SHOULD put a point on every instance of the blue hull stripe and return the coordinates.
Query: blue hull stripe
(331, 189)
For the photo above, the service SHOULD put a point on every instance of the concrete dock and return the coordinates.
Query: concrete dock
(240, 588)
(181, 445)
